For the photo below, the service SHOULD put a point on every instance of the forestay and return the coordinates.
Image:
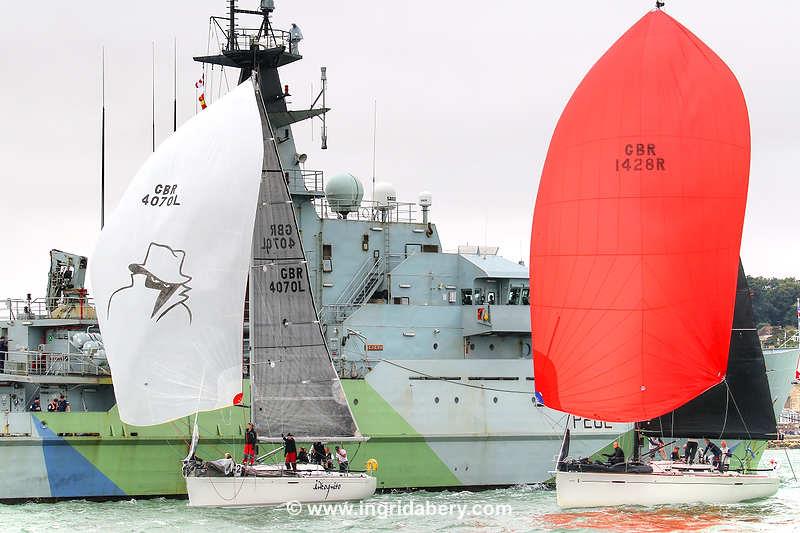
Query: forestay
(170, 267)
(637, 229)
(294, 385)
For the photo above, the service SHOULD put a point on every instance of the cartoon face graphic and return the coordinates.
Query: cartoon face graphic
(158, 279)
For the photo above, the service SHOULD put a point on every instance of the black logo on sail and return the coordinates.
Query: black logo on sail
(162, 269)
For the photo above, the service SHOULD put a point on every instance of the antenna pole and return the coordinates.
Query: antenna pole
(102, 136)
(154, 97)
(374, 141)
(324, 78)
(231, 24)
(174, 84)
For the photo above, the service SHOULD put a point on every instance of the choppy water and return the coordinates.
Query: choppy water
(513, 509)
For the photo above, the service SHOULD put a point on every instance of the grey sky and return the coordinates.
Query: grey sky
(468, 94)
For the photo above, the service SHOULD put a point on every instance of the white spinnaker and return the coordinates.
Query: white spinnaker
(170, 268)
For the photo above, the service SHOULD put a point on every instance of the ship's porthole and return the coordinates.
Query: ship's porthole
(533, 400)
(491, 347)
(436, 399)
(435, 345)
(355, 401)
(494, 400)
(472, 346)
(456, 400)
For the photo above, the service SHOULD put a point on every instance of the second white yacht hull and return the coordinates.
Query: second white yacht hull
(592, 489)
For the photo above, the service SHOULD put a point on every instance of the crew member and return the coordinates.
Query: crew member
(62, 406)
(726, 454)
(691, 451)
(341, 456)
(656, 445)
(289, 452)
(676, 454)
(715, 451)
(302, 456)
(250, 443)
(317, 453)
(618, 456)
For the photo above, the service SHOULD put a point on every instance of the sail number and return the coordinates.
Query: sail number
(162, 195)
(291, 280)
(640, 157)
(280, 237)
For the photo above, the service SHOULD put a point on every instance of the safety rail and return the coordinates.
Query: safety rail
(372, 211)
(245, 38)
(41, 363)
(301, 180)
(361, 286)
(47, 308)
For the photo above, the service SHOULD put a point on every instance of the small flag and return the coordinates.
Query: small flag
(538, 397)
(200, 85)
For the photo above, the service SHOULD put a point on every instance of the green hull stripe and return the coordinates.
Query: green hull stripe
(404, 458)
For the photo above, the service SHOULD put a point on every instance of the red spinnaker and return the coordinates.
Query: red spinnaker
(637, 229)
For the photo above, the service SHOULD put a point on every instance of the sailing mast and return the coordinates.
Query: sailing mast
(102, 136)
(174, 84)
(153, 99)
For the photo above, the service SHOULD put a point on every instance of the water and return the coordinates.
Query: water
(513, 509)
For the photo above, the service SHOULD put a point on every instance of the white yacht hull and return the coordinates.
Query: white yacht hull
(592, 489)
(311, 487)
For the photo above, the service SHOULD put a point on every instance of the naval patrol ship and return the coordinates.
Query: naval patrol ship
(433, 347)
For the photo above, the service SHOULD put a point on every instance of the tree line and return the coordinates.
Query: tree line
(774, 300)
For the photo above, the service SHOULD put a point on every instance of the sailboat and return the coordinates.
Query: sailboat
(170, 275)
(634, 265)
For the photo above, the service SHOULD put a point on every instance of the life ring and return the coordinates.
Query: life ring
(372, 465)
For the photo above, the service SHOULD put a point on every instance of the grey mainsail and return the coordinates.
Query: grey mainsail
(294, 385)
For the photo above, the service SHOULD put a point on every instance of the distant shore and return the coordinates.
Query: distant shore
(789, 441)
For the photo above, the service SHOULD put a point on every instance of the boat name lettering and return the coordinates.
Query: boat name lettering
(588, 423)
(163, 194)
(645, 158)
(327, 487)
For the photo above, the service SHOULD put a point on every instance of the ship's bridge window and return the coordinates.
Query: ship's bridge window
(430, 248)
(477, 296)
(490, 297)
(525, 296)
(327, 261)
(518, 296)
(466, 296)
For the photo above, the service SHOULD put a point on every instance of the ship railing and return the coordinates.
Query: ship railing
(358, 288)
(301, 180)
(246, 37)
(47, 308)
(41, 363)
(372, 211)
